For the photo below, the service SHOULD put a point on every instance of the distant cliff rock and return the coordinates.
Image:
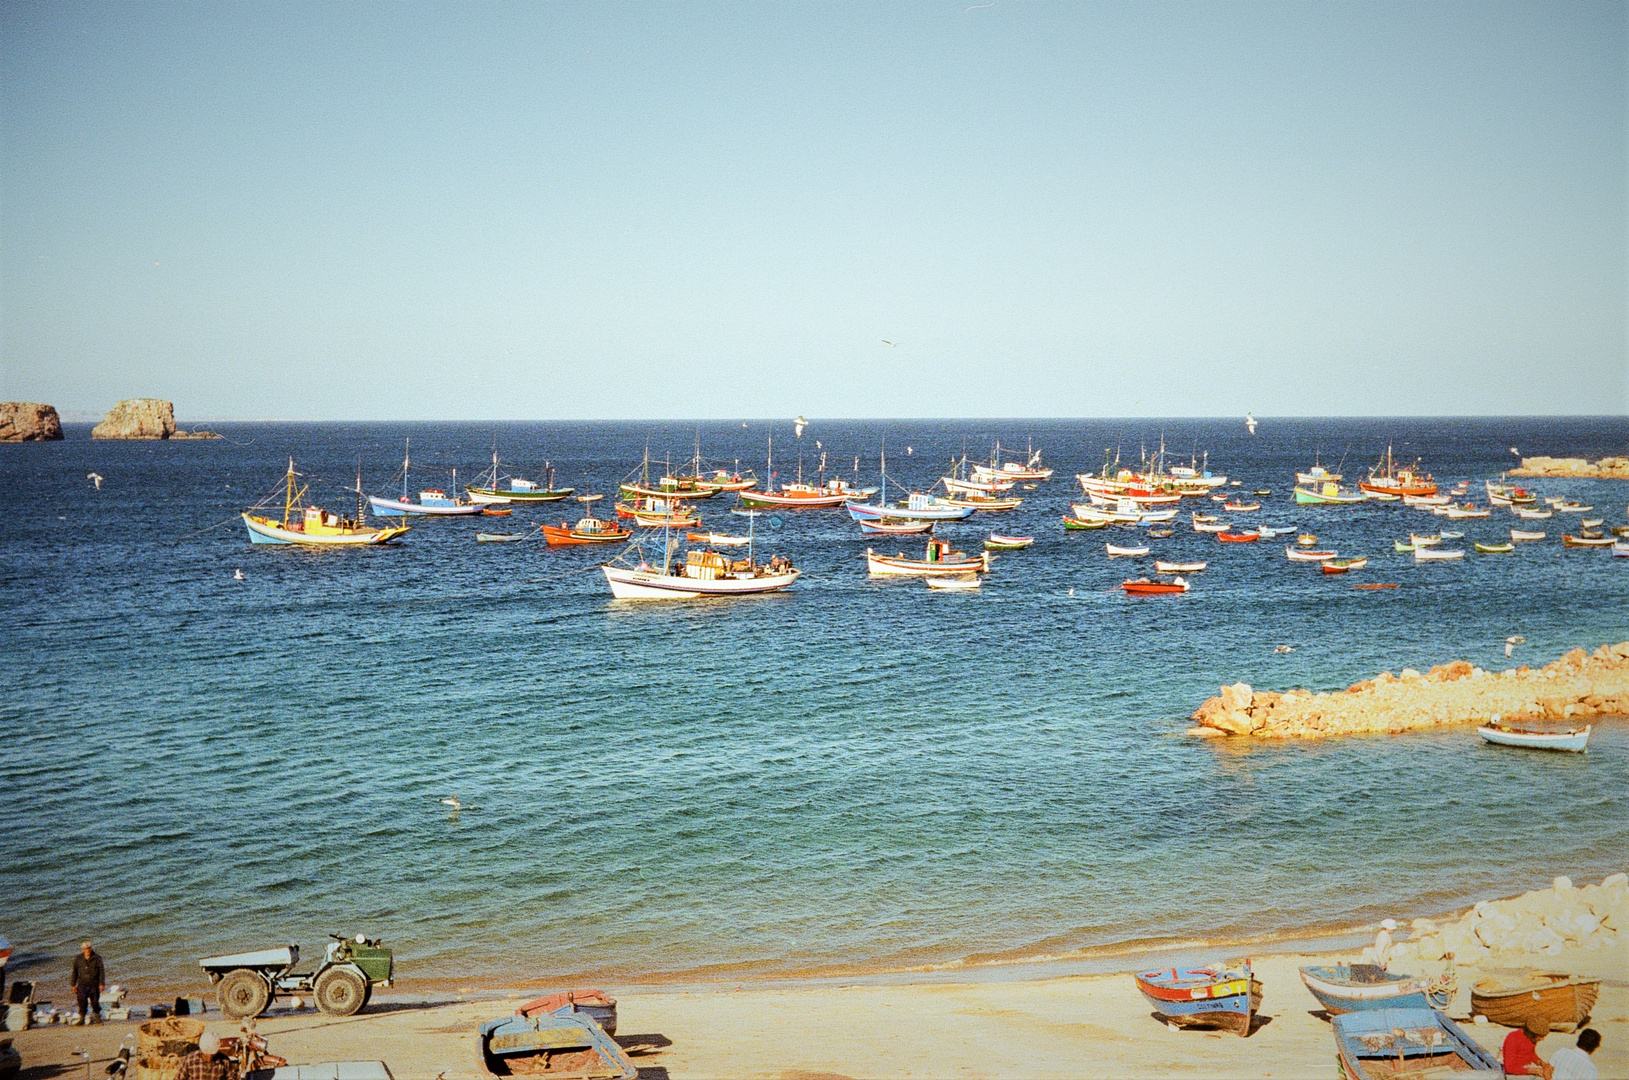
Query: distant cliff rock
(28, 421)
(1608, 468)
(138, 418)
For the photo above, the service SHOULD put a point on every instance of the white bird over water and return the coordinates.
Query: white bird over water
(95, 478)
(452, 801)
(237, 575)
(1250, 423)
(798, 425)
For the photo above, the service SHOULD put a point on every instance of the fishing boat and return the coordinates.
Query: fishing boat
(654, 513)
(725, 480)
(1240, 508)
(918, 506)
(938, 560)
(1557, 1001)
(1427, 502)
(1163, 567)
(953, 582)
(433, 502)
(1237, 538)
(887, 527)
(565, 1045)
(1526, 534)
(1431, 554)
(1115, 550)
(1306, 540)
(1146, 587)
(597, 1005)
(798, 495)
(499, 538)
(988, 503)
(494, 486)
(1419, 1043)
(1317, 475)
(1296, 554)
(1344, 988)
(1029, 469)
(703, 574)
(1567, 506)
(1388, 478)
(1327, 494)
(1531, 513)
(1494, 549)
(670, 485)
(717, 539)
(1341, 566)
(313, 526)
(1508, 494)
(588, 529)
(1572, 739)
(1002, 542)
(1421, 541)
(1586, 540)
(1211, 997)
(1076, 524)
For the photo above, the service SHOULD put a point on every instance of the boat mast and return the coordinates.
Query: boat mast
(359, 490)
(288, 494)
(405, 456)
(769, 466)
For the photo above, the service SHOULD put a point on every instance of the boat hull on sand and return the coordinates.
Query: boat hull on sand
(1563, 1002)
(1412, 1042)
(1346, 988)
(1202, 997)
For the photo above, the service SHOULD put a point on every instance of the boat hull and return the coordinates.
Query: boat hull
(1202, 998)
(899, 528)
(1410, 1041)
(398, 508)
(490, 496)
(899, 566)
(1560, 1001)
(1339, 993)
(1570, 741)
(265, 531)
(761, 500)
(627, 584)
(567, 537)
(871, 511)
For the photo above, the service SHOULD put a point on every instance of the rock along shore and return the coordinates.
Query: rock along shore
(1578, 686)
(29, 421)
(1608, 468)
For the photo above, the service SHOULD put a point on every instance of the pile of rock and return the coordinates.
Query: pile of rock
(1579, 931)
(1578, 686)
(1608, 468)
(28, 421)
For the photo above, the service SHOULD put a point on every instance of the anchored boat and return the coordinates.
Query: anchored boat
(498, 487)
(433, 502)
(314, 526)
(937, 560)
(1571, 739)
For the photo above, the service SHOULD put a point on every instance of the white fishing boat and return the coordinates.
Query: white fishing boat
(1526, 534)
(433, 502)
(1295, 554)
(1115, 550)
(1572, 739)
(1163, 567)
(698, 577)
(1317, 475)
(1431, 554)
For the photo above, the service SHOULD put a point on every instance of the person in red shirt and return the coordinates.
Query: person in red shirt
(1521, 1058)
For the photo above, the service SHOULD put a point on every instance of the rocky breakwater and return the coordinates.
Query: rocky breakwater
(28, 421)
(144, 418)
(1607, 468)
(1578, 686)
(1562, 928)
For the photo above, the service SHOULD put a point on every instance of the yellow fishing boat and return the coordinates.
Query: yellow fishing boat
(313, 526)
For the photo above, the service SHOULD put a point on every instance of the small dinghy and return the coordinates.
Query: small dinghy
(1494, 549)
(1145, 587)
(563, 1045)
(1345, 988)
(718, 539)
(1115, 549)
(1341, 566)
(1241, 507)
(1437, 555)
(957, 581)
(1586, 540)
(1411, 1042)
(1074, 524)
(1211, 526)
(1306, 540)
(1563, 1002)
(999, 542)
(1620, 550)
(597, 1005)
(498, 538)
(1526, 534)
(1237, 538)
(1213, 997)
(1162, 532)
(1300, 555)
(1163, 567)
(493, 511)
(1571, 739)
(894, 528)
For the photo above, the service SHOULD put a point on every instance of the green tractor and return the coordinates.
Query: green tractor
(247, 983)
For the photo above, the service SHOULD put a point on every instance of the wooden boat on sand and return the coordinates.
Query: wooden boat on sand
(1418, 1043)
(569, 1045)
(588, 530)
(1345, 988)
(1564, 1002)
(1572, 739)
(597, 1005)
(1213, 997)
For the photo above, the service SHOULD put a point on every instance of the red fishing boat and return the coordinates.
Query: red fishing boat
(1145, 587)
(1387, 478)
(1238, 538)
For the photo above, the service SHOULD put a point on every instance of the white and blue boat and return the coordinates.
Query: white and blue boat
(561, 1044)
(1409, 1042)
(1213, 997)
(1572, 739)
(918, 505)
(433, 502)
(1345, 988)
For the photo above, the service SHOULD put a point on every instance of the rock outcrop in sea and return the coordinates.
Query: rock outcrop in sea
(1578, 686)
(1562, 928)
(1607, 468)
(137, 418)
(29, 421)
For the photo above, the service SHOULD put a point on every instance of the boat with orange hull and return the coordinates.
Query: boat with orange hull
(1389, 478)
(1559, 1002)
(1238, 538)
(1146, 587)
(589, 530)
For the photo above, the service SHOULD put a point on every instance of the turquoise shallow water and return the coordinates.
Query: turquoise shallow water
(853, 775)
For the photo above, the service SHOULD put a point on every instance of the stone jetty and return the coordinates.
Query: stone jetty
(1563, 928)
(1607, 468)
(1578, 686)
(29, 421)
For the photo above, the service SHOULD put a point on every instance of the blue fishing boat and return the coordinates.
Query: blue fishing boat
(1408, 1042)
(1213, 997)
(567, 1044)
(1344, 988)
(433, 502)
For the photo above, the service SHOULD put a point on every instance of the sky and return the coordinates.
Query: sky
(472, 211)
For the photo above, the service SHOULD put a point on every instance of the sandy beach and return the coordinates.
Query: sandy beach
(1078, 1026)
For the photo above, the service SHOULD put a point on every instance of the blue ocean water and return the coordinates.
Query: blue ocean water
(854, 775)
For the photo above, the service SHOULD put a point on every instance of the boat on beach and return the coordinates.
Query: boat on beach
(1418, 1043)
(1211, 997)
(566, 1045)
(1571, 739)
(315, 527)
(1345, 988)
(1555, 1000)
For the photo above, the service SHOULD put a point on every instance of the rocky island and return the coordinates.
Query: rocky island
(144, 418)
(1578, 686)
(29, 421)
(1607, 468)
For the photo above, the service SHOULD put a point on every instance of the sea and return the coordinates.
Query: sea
(208, 746)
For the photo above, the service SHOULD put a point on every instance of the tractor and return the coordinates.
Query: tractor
(247, 983)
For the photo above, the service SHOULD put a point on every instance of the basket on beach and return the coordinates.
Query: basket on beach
(161, 1044)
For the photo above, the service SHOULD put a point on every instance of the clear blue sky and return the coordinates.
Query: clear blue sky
(586, 210)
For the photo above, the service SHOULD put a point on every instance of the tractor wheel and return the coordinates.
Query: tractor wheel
(243, 994)
(340, 992)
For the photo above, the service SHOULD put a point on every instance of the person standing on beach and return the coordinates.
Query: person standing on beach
(1521, 1057)
(1573, 1063)
(89, 981)
(206, 1063)
(1382, 943)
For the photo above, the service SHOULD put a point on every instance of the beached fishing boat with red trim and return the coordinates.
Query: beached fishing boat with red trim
(1211, 997)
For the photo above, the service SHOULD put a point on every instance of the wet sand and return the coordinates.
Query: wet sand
(1076, 1026)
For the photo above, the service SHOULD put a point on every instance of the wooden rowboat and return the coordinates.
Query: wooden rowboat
(1564, 1002)
(1076, 524)
(1341, 566)
(1409, 1042)
(498, 538)
(718, 539)
(1346, 988)
(1571, 739)
(1526, 534)
(896, 528)
(1115, 549)
(1145, 587)
(1586, 541)
(1302, 555)
(999, 542)
(1431, 554)
(494, 511)
(1237, 538)
(955, 581)
(1494, 549)
(1163, 567)
(937, 561)
(1213, 997)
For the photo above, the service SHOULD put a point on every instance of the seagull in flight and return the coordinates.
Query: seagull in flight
(95, 478)
(888, 343)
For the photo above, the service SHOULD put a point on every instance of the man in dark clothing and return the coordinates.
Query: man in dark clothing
(89, 981)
